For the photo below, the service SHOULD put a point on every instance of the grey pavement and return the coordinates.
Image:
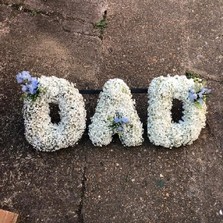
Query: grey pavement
(86, 184)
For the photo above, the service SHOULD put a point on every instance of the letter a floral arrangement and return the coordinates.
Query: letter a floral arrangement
(115, 112)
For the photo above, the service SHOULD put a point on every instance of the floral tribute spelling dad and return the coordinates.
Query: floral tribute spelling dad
(115, 112)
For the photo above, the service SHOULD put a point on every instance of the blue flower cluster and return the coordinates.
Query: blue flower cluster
(29, 84)
(119, 122)
(199, 96)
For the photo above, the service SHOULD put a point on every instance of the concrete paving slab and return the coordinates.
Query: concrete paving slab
(143, 40)
(204, 38)
(149, 184)
(180, 184)
(40, 187)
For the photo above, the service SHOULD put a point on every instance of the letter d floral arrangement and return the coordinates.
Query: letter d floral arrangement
(161, 130)
(115, 112)
(38, 93)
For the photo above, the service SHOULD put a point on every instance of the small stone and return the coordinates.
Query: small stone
(133, 180)
(221, 212)
(161, 175)
(80, 185)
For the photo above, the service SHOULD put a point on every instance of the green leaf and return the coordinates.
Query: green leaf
(198, 105)
(102, 24)
(192, 75)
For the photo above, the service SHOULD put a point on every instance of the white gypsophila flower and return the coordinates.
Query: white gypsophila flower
(161, 130)
(116, 99)
(40, 132)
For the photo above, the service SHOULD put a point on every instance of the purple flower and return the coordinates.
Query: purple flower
(125, 120)
(22, 77)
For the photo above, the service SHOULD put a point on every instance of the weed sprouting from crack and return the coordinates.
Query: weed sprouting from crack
(102, 24)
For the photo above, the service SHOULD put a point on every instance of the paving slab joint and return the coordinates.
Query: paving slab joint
(23, 8)
(57, 16)
(80, 211)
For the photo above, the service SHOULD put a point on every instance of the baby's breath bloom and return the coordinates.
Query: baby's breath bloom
(116, 114)
(161, 129)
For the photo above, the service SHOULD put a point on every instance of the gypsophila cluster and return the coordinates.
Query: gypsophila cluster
(116, 114)
(161, 129)
(118, 123)
(40, 132)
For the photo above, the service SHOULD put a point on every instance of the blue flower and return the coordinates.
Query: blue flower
(120, 129)
(204, 91)
(117, 120)
(22, 77)
(33, 85)
(25, 89)
(192, 96)
(201, 94)
(125, 120)
(34, 81)
(31, 89)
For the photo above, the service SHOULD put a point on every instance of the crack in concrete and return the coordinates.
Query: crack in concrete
(80, 33)
(33, 11)
(83, 190)
(57, 16)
